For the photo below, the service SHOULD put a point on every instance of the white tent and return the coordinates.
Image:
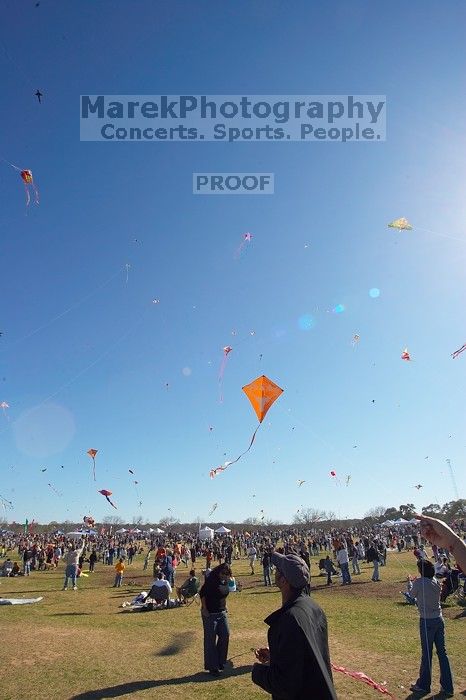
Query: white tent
(206, 533)
(401, 521)
(388, 523)
(158, 531)
(222, 530)
(414, 521)
(121, 531)
(75, 535)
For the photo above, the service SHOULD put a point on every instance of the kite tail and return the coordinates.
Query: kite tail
(36, 193)
(221, 372)
(28, 196)
(213, 472)
(93, 466)
(239, 249)
(112, 504)
(358, 675)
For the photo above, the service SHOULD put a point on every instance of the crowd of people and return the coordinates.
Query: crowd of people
(284, 554)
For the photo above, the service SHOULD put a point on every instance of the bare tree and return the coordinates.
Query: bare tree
(113, 520)
(376, 513)
(309, 516)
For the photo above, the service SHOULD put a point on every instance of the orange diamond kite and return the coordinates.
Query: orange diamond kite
(262, 393)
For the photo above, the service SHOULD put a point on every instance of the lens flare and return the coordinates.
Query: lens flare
(306, 322)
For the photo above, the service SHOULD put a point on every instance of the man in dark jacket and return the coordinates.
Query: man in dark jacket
(296, 666)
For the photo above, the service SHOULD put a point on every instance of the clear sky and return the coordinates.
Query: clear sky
(86, 357)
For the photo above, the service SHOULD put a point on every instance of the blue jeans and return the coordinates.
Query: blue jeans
(216, 638)
(375, 575)
(267, 579)
(345, 573)
(118, 580)
(27, 568)
(71, 572)
(433, 632)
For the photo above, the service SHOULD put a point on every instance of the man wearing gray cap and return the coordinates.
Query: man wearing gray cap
(296, 666)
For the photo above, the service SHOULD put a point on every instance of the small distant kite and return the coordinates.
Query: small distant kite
(89, 521)
(156, 301)
(54, 489)
(130, 471)
(92, 453)
(356, 339)
(418, 486)
(214, 508)
(44, 470)
(26, 176)
(4, 405)
(5, 502)
(107, 495)
(333, 473)
(401, 224)
(262, 393)
(226, 351)
(405, 355)
(38, 93)
(247, 238)
(348, 479)
(458, 352)
(300, 482)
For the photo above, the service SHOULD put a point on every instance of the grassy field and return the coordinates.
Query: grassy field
(80, 645)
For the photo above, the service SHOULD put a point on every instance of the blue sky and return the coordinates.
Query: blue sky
(96, 376)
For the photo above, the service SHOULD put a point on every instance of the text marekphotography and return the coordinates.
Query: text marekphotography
(233, 183)
(234, 118)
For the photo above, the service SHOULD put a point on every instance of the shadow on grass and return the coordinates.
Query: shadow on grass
(180, 642)
(117, 691)
(67, 614)
(335, 586)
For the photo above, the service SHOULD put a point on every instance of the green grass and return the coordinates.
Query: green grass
(79, 644)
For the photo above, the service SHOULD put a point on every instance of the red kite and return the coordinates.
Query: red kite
(107, 493)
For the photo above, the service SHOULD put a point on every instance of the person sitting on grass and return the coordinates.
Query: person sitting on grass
(160, 591)
(189, 588)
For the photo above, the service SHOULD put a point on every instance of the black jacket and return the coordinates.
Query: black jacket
(299, 666)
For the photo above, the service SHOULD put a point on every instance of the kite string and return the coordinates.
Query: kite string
(65, 312)
(12, 165)
(85, 369)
